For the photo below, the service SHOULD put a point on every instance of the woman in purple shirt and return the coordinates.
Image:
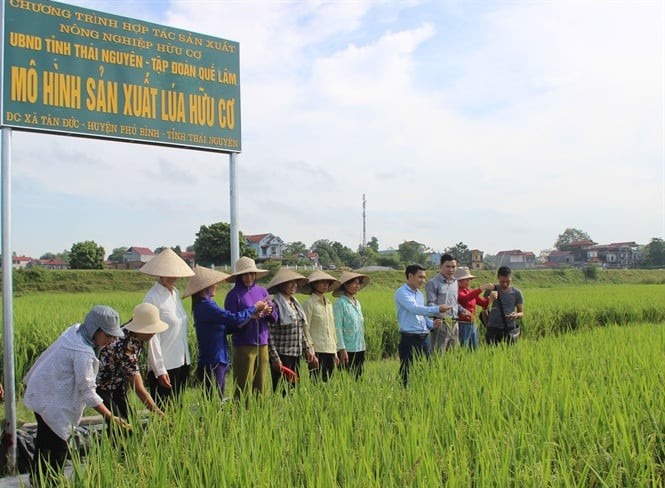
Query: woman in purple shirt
(212, 323)
(250, 344)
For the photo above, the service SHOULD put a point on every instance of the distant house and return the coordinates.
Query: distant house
(516, 259)
(51, 264)
(21, 262)
(266, 246)
(137, 254)
(477, 261)
(615, 255)
(560, 258)
(313, 258)
(585, 252)
(189, 257)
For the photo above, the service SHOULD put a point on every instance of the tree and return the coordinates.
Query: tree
(373, 244)
(391, 260)
(213, 245)
(569, 236)
(295, 253)
(86, 255)
(47, 256)
(462, 253)
(117, 254)
(412, 252)
(654, 252)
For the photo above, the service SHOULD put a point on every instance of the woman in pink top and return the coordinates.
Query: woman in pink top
(467, 299)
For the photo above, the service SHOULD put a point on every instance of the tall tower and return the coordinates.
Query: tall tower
(364, 223)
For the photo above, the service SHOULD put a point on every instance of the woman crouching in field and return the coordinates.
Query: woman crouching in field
(288, 341)
(212, 324)
(61, 384)
(119, 362)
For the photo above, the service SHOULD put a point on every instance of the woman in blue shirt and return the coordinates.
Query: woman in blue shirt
(212, 323)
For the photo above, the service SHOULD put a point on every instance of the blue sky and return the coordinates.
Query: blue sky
(498, 124)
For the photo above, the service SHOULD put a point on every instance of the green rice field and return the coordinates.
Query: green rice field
(580, 401)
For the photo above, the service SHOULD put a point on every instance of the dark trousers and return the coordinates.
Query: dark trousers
(213, 377)
(116, 402)
(496, 336)
(50, 454)
(356, 363)
(162, 395)
(326, 366)
(291, 362)
(411, 346)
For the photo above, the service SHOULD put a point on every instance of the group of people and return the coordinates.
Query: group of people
(92, 363)
(449, 317)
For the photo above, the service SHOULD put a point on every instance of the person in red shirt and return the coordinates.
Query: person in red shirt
(468, 298)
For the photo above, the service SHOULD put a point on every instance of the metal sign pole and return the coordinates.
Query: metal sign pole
(7, 304)
(233, 187)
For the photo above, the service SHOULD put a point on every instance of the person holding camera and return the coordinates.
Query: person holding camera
(507, 305)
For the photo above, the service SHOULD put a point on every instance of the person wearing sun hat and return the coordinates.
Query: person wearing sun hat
(349, 321)
(467, 299)
(321, 323)
(288, 340)
(168, 351)
(119, 361)
(61, 384)
(251, 361)
(212, 324)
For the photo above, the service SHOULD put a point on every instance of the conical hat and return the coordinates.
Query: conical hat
(318, 275)
(347, 276)
(145, 320)
(246, 265)
(202, 279)
(282, 276)
(167, 264)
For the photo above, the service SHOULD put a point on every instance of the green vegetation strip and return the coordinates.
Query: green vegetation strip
(580, 410)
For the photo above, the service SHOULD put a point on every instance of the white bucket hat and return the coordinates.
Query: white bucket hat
(145, 320)
(202, 279)
(338, 290)
(246, 265)
(463, 273)
(318, 275)
(285, 275)
(167, 264)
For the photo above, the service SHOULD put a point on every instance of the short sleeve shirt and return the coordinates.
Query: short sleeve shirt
(118, 361)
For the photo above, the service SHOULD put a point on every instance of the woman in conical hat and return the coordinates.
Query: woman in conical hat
(212, 324)
(321, 322)
(289, 341)
(251, 362)
(168, 351)
(349, 322)
(119, 361)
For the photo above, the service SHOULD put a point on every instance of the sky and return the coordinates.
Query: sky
(498, 124)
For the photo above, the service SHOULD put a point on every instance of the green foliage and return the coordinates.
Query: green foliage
(412, 252)
(569, 236)
(391, 260)
(373, 244)
(538, 414)
(333, 252)
(654, 252)
(117, 254)
(86, 255)
(295, 253)
(591, 272)
(462, 253)
(213, 245)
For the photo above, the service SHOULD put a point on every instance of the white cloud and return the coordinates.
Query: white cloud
(496, 124)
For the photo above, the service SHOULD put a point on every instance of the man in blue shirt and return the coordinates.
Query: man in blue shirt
(414, 318)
